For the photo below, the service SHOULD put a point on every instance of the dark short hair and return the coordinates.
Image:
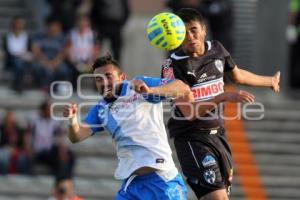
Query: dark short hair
(53, 19)
(60, 179)
(82, 16)
(44, 105)
(106, 60)
(16, 18)
(190, 14)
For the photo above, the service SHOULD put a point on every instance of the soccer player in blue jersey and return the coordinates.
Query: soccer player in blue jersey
(131, 112)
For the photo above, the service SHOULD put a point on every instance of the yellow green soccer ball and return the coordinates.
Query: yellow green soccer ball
(166, 31)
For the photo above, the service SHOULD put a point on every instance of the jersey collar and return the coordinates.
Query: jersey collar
(124, 87)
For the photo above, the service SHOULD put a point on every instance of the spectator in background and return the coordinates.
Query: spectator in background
(16, 46)
(64, 190)
(293, 37)
(13, 155)
(218, 13)
(82, 48)
(109, 17)
(48, 144)
(84, 8)
(48, 50)
(65, 11)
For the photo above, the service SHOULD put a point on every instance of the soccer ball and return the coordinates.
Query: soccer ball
(166, 31)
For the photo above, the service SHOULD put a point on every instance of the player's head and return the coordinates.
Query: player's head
(195, 29)
(108, 76)
(63, 188)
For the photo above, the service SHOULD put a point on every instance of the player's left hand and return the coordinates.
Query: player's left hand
(140, 87)
(275, 82)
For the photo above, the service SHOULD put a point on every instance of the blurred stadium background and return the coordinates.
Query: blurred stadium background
(259, 45)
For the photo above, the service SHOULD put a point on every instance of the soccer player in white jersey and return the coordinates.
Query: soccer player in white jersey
(132, 113)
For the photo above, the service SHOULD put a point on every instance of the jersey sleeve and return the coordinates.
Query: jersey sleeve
(154, 82)
(93, 120)
(229, 62)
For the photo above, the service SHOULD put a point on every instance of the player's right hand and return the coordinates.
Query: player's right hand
(70, 110)
(275, 82)
(140, 87)
(239, 97)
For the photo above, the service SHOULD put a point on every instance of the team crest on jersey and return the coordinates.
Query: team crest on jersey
(210, 176)
(113, 107)
(167, 71)
(208, 161)
(101, 112)
(219, 65)
(167, 63)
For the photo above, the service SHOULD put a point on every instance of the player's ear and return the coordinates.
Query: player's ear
(204, 29)
(123, 76)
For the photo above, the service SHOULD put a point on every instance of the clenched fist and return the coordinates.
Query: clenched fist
(140, 87)
(70, 111)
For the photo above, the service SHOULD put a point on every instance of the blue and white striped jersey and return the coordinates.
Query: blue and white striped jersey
(135, 122)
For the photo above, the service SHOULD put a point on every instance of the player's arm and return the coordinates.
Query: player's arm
(77, 132)
(175, 88)
(198, 109)
(244, 77)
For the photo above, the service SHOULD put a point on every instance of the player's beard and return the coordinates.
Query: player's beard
(111, 93)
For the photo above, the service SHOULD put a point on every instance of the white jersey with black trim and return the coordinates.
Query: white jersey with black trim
(135, 122)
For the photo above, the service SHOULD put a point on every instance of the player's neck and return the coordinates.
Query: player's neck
(198, 52)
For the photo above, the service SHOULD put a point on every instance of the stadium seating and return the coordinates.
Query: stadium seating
(274, 140)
